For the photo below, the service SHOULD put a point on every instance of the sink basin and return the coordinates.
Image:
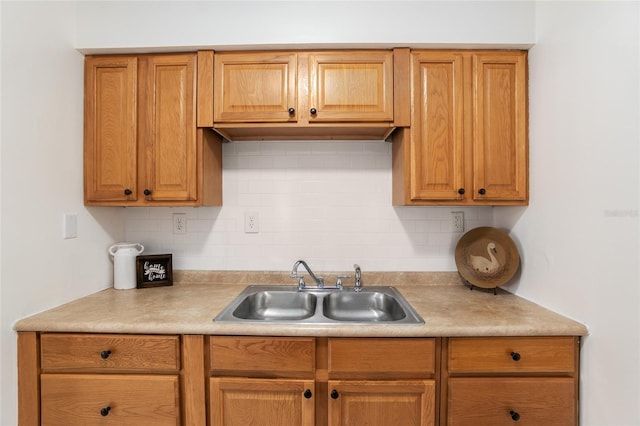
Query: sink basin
(362, 306)
(287, 305)
(276, 305)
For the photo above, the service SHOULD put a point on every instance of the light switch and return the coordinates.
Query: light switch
(70, 225)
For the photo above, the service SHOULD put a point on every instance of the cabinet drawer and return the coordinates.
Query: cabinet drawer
(502, 401)
(381, 358)
(81, 399)
(512, 355)
(105, 352)
(263, 356)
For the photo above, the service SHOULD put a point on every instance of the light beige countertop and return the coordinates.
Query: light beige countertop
(448, 308)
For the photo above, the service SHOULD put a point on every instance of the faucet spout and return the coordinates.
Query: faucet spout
(294, 273)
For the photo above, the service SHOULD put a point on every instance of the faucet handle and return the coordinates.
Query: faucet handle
(339, 281)
(301, 283)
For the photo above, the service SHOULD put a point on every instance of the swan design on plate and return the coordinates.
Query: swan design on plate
(486, 265)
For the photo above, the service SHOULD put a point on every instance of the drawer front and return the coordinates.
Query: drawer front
(381, 358)
(512, 355)
(81, 399)
(263, 356)
(104, 352)
(503, 401)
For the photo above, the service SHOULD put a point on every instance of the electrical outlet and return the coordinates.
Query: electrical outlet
(251, 225)
(179, 223)
(457, 221)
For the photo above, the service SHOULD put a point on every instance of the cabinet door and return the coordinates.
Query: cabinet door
(261, 402)
(500, 126)
(255, 87)
(167, 129)
(351, 86)
(381, 403)
(437, 149)
(110, 130)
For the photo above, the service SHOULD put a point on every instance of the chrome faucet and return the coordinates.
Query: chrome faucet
(358, 286)
(294, 274)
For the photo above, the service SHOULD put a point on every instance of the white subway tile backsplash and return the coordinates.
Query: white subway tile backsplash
(328, 202)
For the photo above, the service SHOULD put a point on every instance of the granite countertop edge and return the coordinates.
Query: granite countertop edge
(448, 308)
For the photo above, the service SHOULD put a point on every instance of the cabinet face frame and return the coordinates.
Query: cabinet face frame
(494, 161)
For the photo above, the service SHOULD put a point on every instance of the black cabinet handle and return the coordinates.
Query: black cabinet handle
(313, 111)
(105, 411)
(292, 111)
(128, 192)
(461, 191)
(515, 356)
(334, 394)
(147, 192)
(307, 394)
(482, 191)
(105, 354)
(514, 415)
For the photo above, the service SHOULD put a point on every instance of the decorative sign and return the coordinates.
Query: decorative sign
(154, 270)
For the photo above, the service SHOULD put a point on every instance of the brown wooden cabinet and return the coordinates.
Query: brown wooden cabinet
(467, 144)
(78, 379)
(262, 380)
(294, 94)
(141, 142)
(320, 381)
(496, 381)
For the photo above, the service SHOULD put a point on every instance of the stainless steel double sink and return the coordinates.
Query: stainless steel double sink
(286, 304)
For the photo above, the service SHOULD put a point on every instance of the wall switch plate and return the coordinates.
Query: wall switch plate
(179, 223)
(251, 225)
(457, 221)
(70, 227)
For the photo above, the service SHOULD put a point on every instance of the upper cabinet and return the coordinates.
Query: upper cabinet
(314, 95)
(467, 144)
(142, 146)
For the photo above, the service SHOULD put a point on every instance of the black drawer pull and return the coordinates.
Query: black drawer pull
(514, 415)
(515, 356)
(105, 354)
(307, 394)
(334, 394)
(105, 411)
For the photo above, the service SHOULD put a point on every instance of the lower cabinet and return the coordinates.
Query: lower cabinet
(102, 379)
(503, 380)
(268, 381)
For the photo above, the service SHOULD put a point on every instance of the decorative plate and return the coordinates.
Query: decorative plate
(486, 257)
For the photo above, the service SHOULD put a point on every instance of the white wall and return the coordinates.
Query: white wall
(579, 237)
(139, 25)
(41, 176)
